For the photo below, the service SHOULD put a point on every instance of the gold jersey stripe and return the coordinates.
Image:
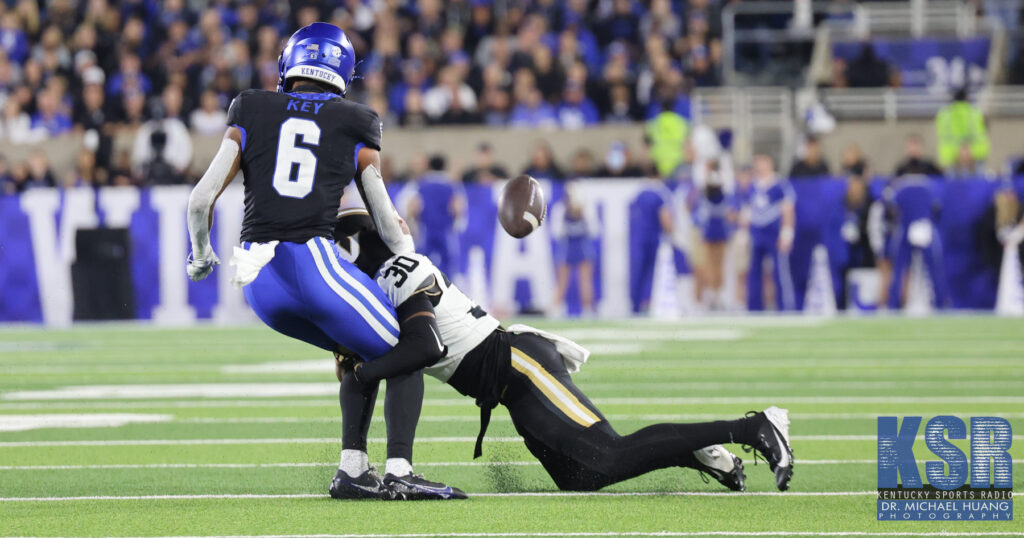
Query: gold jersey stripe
(563, 399)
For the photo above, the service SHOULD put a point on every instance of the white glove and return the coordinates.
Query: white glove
(200, 268)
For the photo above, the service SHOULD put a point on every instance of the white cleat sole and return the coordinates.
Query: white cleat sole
(779, 419)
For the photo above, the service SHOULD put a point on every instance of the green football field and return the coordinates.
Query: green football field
(114, 430)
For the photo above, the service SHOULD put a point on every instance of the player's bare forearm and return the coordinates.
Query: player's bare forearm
(418, 346)
(378, 203)
(204, 195)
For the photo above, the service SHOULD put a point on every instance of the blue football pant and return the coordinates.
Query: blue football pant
(309, 293)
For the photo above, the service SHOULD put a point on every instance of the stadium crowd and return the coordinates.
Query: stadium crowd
(161, 69)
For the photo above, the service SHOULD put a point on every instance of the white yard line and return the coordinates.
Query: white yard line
(331, 440)
(18, 423)
(334, 464)
(587, 336)
(627, 533)
(489, 494)
(672, 417)
(453, 402)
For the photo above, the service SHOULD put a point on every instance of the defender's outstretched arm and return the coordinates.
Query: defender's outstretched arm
(378, 203)
(218, 175)
(419, 346)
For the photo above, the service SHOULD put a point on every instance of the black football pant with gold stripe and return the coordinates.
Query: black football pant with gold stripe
(573, 440)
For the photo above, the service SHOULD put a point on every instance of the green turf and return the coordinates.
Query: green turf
(834, 376)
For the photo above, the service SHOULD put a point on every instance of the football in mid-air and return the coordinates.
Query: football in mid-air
(521, 207)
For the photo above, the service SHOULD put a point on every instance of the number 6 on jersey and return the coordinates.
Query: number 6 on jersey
(296, 166)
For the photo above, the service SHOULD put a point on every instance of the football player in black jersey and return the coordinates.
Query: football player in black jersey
(297, 149)
(528, 371)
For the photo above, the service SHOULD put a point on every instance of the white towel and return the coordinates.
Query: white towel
(248, 263)
(573, 354)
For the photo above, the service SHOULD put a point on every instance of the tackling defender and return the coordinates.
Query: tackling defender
(297, 148)
(527, 371)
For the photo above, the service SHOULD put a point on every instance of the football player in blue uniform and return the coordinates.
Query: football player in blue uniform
(297, 149)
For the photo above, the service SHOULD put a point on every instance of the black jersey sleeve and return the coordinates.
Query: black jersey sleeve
(418, 346)
(236, 118)
(235, 110)
(368, 128)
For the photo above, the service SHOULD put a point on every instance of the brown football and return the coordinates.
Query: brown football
(521, 207)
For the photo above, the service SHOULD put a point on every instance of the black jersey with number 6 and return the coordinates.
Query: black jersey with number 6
(298, 153)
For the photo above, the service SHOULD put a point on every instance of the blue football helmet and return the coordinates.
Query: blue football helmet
(321, 52)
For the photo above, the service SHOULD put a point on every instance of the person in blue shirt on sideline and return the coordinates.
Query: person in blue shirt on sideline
(769, 212)
(916, 208)
(438, 209)
(650, 216)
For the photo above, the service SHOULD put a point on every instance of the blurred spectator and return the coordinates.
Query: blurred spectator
(627, 58)
(496, 107)
(485, 169)
(13, 40)
(769, 213)
(451, 100)
(856, 231)
(957, 124)
(85, 172)
(867, 70)
(914, 161)
(812, 165)
(50, 119)
(715, 214)
(413, 114)
(39, 173)
(666, 135)
(965, 166)
(542, 163)
(582, 164)
(162, 150)
(853, 161)
(576, 110)
(530, 110)
(661, 21)
(17, 179)
(621, 108)
(623, 25)
(618, 162)
(16, 126)
(129, 77)
(574, 227)
(209, 118)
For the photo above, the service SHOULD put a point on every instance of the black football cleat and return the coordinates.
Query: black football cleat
(723, 466)
(365, 486)
(414, 487)
(773, 444)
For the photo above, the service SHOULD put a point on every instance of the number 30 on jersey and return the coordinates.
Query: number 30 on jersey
(296, 165)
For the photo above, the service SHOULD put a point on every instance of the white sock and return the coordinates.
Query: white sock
(398, 467)
(354, 462)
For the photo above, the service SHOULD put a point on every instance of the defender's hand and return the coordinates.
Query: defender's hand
(200, 268)
(344, 364)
